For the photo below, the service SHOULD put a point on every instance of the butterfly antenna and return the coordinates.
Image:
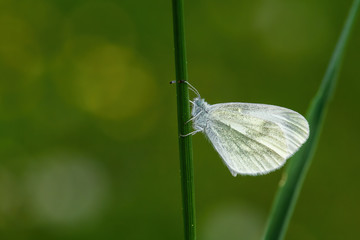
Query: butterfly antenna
(192, 88)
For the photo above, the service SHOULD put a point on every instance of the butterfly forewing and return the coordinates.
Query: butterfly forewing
(254, 138)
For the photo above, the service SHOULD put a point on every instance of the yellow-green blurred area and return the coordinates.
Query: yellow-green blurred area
(88, 127)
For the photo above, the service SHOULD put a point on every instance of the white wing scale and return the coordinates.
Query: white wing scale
(253, 139)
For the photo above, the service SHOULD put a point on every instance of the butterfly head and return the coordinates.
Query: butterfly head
(199, 105)
(200, 102)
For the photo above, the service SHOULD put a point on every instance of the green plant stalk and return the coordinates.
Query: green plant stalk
(183, 106)
(295, 173)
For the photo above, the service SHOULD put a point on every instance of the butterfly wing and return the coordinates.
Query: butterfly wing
(255, 139)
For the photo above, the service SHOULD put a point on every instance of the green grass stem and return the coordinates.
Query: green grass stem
(183, 106)
(288, 192)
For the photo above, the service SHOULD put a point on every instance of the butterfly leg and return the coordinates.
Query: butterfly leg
(192, 118)
(192, 133)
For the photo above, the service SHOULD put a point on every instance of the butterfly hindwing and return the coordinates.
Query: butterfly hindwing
(254, 138)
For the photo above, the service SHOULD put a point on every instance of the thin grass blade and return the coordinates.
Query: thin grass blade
(183, 106)
(288, 192)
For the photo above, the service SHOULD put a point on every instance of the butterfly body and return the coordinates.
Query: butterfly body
(251, 139)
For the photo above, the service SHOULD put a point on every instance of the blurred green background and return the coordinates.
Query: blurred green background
(88, 128)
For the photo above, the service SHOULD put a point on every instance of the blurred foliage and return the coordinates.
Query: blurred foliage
(88, 137)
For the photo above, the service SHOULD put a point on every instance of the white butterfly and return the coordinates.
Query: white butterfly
(251, 139)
